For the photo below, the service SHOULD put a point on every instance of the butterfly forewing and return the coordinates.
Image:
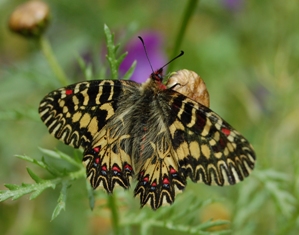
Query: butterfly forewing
(74, 114)
(208, 148)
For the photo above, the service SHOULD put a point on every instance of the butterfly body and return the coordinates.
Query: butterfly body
(148, 131)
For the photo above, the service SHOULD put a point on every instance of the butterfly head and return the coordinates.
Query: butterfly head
(157, 78)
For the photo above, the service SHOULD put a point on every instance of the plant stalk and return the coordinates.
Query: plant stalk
(190, 8)
(114, 214)
(48, 53)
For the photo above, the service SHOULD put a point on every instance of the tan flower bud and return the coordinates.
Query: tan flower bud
(189, 84)
(30, 19)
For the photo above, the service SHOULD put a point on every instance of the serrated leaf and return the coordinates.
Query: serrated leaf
(36, 193)
(111, 57)
(50, 153)
(26, 158)
(116, 46)
(34, 176)
(120, 59)
(61, 200)
(17, 191)
(12, 186)
(130, 72)
(41, 163)
(68, 159)
(114, 62)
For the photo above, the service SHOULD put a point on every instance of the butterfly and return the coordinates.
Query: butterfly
(158, 134)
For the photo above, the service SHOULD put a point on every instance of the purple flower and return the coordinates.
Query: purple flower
(154, 46)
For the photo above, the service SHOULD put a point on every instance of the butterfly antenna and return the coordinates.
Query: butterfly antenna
(146, 52)
(182, 53)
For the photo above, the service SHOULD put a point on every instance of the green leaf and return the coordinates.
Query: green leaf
(69, 159)
(130, 72)
(182, 217)
(50, 153)
(12, 186)
(41, 164)
(34, 176)
(86, 68)
(111, 57)
(114, 62)
(61, 200)
(120, 59)
(16, 191)
(60, 155)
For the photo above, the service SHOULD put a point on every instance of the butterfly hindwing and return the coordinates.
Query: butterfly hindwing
(160, 178)
(107, 162)
(208, 148)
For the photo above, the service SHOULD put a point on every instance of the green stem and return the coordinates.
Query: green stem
(191, 6)
(48, 53)
(114, 214)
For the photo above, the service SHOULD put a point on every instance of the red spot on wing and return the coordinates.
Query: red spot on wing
(145, 179)
(104, 168)
(97, 160)
(172, 171)
(128, 167)
(225, 131)
(116, 168)
(166, 181)
(154, 184)
(68, 91)
(97, 149)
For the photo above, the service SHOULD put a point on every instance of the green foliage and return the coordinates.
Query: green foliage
(115, 62)
(182, 218)
(59, 177)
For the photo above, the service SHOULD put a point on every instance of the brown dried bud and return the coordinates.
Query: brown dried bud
(30, 19)
(191, 85)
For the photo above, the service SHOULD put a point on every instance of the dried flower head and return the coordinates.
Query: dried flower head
(30, 19)
(189, 84)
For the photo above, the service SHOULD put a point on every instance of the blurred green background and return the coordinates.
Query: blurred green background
(246, 51)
